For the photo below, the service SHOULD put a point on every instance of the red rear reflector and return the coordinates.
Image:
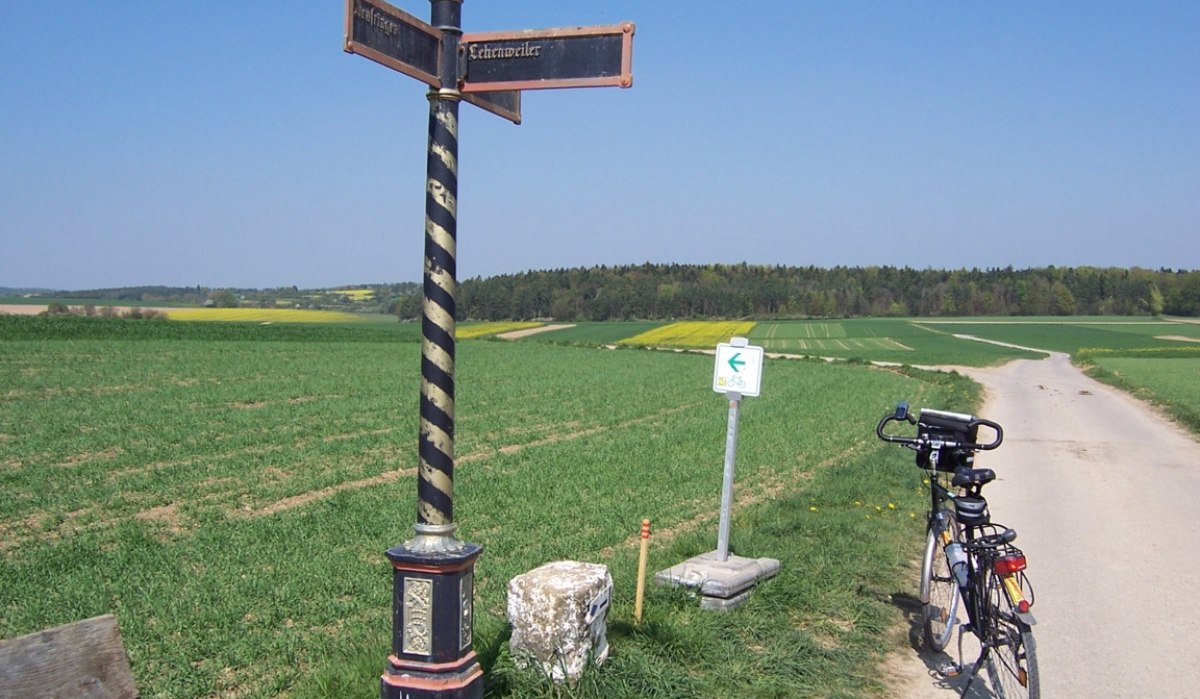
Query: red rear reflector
(1023, 606)
(1007, 565)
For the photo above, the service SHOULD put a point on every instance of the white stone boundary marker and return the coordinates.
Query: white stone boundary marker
(559, 614)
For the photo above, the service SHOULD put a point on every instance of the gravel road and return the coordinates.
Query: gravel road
(1105, 496)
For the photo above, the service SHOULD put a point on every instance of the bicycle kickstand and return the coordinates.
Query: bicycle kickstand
(974, 671)
(953, 669)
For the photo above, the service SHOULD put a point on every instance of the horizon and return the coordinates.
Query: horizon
(354, 285)
(244, 149)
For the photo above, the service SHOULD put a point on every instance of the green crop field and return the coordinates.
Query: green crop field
(878, 340)
(229, 493)
(821, 338)
(1072, 334)
(1173, 383)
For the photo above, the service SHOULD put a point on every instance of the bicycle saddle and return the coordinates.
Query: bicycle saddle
(973, 476)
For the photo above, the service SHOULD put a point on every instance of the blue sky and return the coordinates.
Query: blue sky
(234, 144)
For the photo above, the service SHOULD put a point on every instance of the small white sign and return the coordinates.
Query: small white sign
(738, 368)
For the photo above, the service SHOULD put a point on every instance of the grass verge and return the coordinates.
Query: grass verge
(1168, 378)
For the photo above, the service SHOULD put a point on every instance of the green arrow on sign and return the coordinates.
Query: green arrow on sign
(734, 362)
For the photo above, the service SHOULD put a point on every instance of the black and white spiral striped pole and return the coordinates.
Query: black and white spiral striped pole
(435, 487)
(433, 578)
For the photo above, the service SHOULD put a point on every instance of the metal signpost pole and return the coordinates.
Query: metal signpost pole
(433, 580)
(725, 581)
(435, 485)
(731, 435)
(433, 572)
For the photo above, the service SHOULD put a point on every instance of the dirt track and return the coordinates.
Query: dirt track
(20, 309)
(518, 334)
(1105, 495)
(17, 309)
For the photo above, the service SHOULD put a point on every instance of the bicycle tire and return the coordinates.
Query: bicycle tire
(939, 591)
(1012, 660)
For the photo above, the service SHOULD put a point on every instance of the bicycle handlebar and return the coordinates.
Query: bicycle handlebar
(901, 414)
(924, 441)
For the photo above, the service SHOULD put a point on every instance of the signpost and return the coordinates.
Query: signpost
(433, 572)
(725, 581)
(393, 38)
(738, 370)
(548, 58)
(396, 39)
(736, 373)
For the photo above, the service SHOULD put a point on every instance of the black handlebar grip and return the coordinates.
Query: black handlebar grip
(896, 439)
(995, 427)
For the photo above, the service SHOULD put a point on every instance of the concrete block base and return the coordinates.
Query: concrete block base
(722, 585)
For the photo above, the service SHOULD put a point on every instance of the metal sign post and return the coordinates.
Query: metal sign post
(725, 581)
(433, 572)
(737, 372)
(731, 432)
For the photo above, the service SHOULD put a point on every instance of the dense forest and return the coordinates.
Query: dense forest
(656, 291)
(662, 291)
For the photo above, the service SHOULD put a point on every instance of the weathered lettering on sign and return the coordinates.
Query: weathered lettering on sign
(394, 38)
(538, 59)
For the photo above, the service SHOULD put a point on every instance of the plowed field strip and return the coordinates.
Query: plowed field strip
(479, 455)
(50, 527)
(746, 497)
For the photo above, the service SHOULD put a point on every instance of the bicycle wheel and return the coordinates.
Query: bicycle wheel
(939, 591)
(1012, 662)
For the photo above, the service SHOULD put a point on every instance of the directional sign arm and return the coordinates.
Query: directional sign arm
(538, 59)
(391, 37)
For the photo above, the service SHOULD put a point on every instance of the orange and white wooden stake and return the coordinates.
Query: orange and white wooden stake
(641, 580)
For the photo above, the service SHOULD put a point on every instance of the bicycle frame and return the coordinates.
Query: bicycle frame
(994, 570)
(939, 592)
(986, 572)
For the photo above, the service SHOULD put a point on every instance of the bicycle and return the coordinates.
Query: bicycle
(968, 558)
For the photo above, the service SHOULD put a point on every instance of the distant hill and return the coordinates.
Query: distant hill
(8, 291)
(657, 291)
(363, 298)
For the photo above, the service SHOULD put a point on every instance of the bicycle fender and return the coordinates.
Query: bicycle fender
(1013, 589)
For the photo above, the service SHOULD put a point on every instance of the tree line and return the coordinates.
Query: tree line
(662, 291)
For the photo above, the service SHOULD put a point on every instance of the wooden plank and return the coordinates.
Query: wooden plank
(83, 660)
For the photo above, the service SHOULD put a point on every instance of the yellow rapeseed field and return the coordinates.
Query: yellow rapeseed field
(357, 294)
(262, 315)
(466, 332)
(692, 333)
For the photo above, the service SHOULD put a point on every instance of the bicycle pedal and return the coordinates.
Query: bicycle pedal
(950, 670)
